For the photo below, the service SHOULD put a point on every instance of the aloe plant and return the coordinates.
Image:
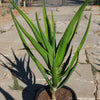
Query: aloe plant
(45, 44)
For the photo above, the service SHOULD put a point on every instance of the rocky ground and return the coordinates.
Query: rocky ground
(85, 81)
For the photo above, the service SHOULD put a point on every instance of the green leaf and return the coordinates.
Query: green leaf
(78, 49)
(45, 20)
(67, 61)
(33, 41)
(54, 69)
(49, 30)
(47, 24)
(40, 67)
(62, 69)
(46, 43)
(54, 33)
(32, 26)
(61, 49)
(69, 73)
(46, 46)
(41, 32)
(77, 24)
(55, 76)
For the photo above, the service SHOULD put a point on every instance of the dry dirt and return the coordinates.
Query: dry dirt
(7, 18)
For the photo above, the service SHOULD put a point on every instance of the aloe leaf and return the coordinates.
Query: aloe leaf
(40, 67)
(66, 63)
(40, 29)
(32, 26)
(49, 30)
(61, 49)
(33, 41)
(47, 44)
(55, 76)
(22, 38)
(63, 67)
(69, 73)
(78, 49)
(54, 32)
(47, 24)
(45, 20)
(54, 69)
(68, 59)
(77, 24)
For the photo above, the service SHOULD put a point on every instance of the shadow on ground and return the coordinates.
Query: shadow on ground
(74, 2)
(63, 2)
(98, 63)
(23, 73)
(6, 95)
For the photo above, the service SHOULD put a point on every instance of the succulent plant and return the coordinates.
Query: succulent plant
(53, 54)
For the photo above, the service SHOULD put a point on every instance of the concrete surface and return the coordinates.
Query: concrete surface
(84, 81)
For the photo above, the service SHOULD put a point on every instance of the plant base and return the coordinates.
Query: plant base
(65, 93)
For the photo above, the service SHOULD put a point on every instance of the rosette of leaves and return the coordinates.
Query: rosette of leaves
(53, 54)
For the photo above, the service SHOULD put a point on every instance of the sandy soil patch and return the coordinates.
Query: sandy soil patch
(7, 18)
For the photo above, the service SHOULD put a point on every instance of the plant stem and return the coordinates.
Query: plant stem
(53, 95)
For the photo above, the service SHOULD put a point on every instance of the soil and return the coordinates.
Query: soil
(61, 94)
(7, 17)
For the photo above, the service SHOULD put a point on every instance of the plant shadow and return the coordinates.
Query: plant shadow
(73, 2)
(62, 3)
(97, 63)
(24, 74)
(6, 95)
